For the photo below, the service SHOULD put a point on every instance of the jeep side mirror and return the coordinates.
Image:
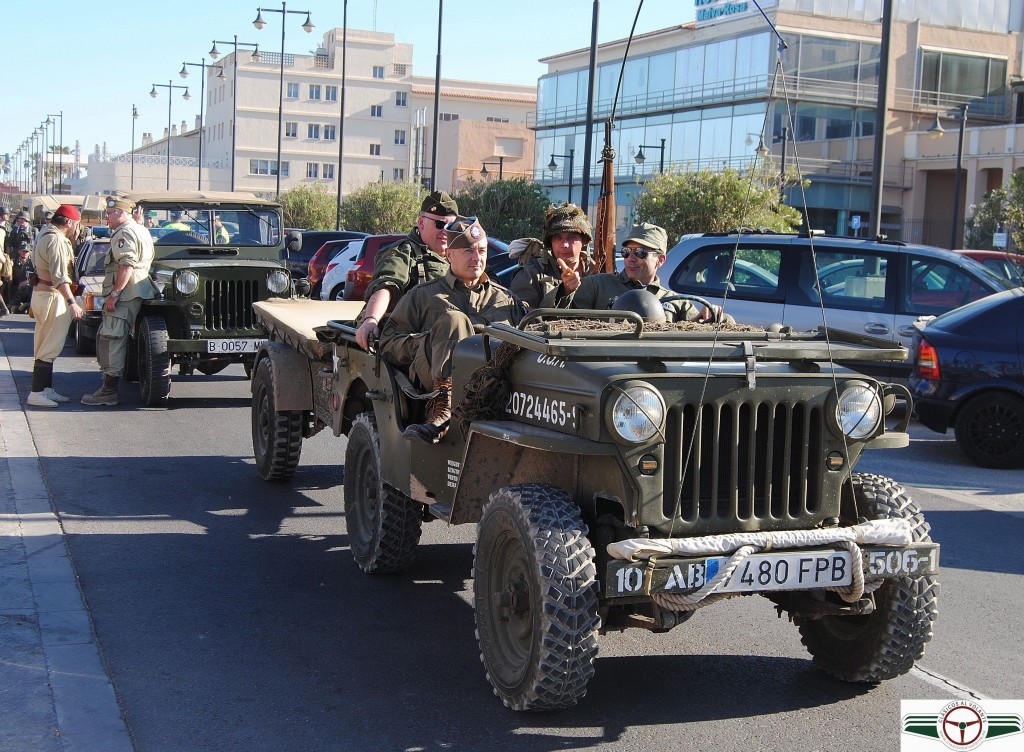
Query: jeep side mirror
(293, 242)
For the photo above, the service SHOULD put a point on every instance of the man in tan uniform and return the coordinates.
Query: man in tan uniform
(431, 319)
(53, 301)
(126, 284)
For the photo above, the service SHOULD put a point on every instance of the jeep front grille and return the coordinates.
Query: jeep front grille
(228, 304)
(752, 466)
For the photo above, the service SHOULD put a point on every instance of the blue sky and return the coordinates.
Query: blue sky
(92, 61)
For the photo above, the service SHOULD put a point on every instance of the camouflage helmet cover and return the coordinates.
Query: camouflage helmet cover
(566, 218)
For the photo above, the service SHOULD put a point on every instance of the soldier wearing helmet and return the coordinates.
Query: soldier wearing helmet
(567, 233)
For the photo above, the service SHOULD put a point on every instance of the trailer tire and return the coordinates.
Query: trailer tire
(276, 436)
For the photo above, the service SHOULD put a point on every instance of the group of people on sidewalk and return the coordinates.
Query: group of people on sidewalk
(126, 284)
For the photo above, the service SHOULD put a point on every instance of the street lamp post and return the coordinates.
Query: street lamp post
(135, 116)
(42, 151)
(202, 103)
(937, 131)
(640, 157)
(341, 117)
(170, 86)
(214, 54)
(553, 165)
(259, 23)
(501, 167)
(60, 151)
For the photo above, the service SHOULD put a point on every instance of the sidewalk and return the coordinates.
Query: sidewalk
(55, 693)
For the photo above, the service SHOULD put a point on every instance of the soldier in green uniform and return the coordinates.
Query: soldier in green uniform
(567, 233)
(53, 302)
(126, 284)
(644, 251)
(414, 259)
(431, 319)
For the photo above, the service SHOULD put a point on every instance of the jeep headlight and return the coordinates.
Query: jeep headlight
(858, 411)
(186, 282)
(638, 413)
(277, 281)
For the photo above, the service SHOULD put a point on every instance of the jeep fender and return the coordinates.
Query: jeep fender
(292, 382)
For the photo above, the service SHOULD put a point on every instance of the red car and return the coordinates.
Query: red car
(319, 261)
(1008, 265)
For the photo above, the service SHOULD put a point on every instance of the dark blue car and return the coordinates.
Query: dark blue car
(968, 374)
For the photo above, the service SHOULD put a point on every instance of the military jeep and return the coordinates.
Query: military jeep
(207, 276)
(621, 475)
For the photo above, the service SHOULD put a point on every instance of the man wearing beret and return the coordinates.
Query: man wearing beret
(567, 233)
(126, 284)
(431, 319)
(416, 258)
(53, 302)
(644, 251)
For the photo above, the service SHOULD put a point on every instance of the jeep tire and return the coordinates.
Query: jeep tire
(887, 642)
(383, 524)
(535, 596)
(276, 436)
(154, 362)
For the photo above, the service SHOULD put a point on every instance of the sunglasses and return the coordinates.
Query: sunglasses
(440, 224)
(640, 253)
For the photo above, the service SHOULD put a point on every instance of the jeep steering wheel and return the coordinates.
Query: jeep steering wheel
(715, 316)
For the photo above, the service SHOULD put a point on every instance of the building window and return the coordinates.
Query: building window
(291, 130)
(491, 119)
(400, 137)
(291, 91)
(376, 110)
(330, 132)
(314, 91)
(378, 71)
(328, 172)
(313, 130)
(447, 116)
(374, 150)
(267, 167)
(401, 99)
(331, 93)
(401, 69)
(312, 169)
(398, 173)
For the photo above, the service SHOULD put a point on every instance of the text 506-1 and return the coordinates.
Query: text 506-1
(555, 412)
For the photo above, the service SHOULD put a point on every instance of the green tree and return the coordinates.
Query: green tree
(380, 208)
(706, 201)
(310, 207)
(507, 209)
(986, 219)
(1015, 209)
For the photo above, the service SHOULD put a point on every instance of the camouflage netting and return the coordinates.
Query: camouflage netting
(487, 393)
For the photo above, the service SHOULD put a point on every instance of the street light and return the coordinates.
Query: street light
(202, 102)
(135, 116)
(259, 23)
(60, 173)
(501, 167)
(640, 157)
(255, 57)
(43, 132)
(553, 165)
(937, 131)
(341, 116)
(170, 86)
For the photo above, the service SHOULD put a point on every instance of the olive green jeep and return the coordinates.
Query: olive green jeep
(622, 475)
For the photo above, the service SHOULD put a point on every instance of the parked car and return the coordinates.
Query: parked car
(1009, 265)
(322, 259)
(873, 287)
(89, 265)
(359, 276)
(298, 261)
(968, 375)
(332, 286)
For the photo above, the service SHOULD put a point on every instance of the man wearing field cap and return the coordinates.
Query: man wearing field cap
(431, 319)
(644, 251)
(126, 284)
(416, 258)
(53, 302)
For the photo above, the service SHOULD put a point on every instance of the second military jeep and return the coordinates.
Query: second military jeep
(216, 255)
(621, 476)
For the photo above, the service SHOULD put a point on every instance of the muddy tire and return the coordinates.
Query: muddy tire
(383, 524)
(154, 362)
(276, 436)
(990, 430)
(887, 642)
(535, 596)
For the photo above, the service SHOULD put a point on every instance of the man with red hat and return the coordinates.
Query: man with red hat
(53, 302)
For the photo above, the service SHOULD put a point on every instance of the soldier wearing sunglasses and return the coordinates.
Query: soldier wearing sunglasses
(416, 258)
(644, 252)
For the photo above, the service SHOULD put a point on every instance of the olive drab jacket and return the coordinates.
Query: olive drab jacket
(403, 265)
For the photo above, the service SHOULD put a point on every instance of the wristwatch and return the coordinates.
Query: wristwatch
(71, 301)
(115, 294)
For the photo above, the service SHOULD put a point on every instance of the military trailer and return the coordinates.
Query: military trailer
(621, 475)
(216, 255)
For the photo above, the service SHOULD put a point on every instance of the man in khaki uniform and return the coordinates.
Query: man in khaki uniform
(431, 319)
(53, 302)
(414, 259)
(126, 284)
(567, 233)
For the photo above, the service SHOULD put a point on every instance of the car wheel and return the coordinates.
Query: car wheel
(990, 430)
(338, 293)
(535, 597)
(276, 436)
(154, 362)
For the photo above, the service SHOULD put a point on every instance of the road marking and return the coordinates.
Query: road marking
(981, 502)
(952, 686)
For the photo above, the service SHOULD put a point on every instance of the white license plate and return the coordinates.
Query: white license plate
(233, 346)
(788, 571)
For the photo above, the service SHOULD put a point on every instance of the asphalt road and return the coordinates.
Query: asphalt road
(232, 617)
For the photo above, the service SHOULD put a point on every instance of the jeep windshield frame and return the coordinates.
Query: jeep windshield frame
(246, 227)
